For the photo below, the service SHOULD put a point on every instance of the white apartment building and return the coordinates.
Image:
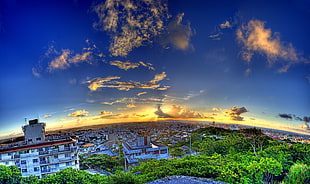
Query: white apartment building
(143, 149)
(39, 157)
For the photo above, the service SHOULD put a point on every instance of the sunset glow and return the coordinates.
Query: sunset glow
(78, 63)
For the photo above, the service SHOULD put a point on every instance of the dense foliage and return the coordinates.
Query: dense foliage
(102, 162)
(245, 156)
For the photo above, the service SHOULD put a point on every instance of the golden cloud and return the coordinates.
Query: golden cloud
(130, 23)
(80, 113)
(141, 93)
(128, 65)
(176, 111)
(107, 83)
(256, 38)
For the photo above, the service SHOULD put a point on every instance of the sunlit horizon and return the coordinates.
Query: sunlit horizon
(77, 63)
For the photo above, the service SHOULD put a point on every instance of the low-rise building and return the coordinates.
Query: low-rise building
(143, 149)
(37, 156)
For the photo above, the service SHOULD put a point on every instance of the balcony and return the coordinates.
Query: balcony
(45, 171)
(44, 162)
(43, 152)
(55, 151)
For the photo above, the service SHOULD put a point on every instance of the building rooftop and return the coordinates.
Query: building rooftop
(33, 146)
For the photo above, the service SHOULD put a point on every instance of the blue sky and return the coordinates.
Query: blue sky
(74, 63)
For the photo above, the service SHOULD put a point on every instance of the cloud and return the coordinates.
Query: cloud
(247, 72)
(216, 36)
(286, 116)
(116, 101)
(80, 113)
(158, 77)
(160, 113)
(35, 72)
(306, 119)
(80, 57)
(147, 65)
(141, 93)
(128, 65)
(216, 109)
(131, 102)
(190, 95)
(122, 116)
(124, 65)
(108, 83)
(47, 116)
(164, 88)
(304, 126)
(235, 112)
(65, 60)
(255, 38)
(294, 117)
(61, 62)
(179, 112)
(227, 24)
(130, 24)
(98, 82)
(104, 113)
(130, 106)
(178, 34)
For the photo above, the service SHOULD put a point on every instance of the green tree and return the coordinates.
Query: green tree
(9, 174)
(176, 152)
(30, 180)
(102, 161)
(122, 178)
(73, 176)
(298, 174)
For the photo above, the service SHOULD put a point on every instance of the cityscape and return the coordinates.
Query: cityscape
(154, 91)
(40, 153)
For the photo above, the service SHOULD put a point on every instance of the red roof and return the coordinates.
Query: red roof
(40, 145)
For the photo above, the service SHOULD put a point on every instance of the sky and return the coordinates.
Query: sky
(80, 62)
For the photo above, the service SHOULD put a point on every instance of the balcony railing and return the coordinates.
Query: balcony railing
(55, 151)
(45, 171)
(54, 161)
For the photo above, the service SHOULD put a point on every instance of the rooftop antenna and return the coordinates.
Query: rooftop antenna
(25, 120)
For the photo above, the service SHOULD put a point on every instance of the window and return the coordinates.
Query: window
(56, 165)
(24, 170)
(29, 140)
(38, 138)
(56, 156)
(7, 163)
(23, 162)
(35, 160)
(36, 169)
(68, 155)
(68, 163)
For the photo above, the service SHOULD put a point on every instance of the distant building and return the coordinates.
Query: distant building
(143, 149)
(37, 156)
